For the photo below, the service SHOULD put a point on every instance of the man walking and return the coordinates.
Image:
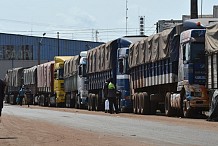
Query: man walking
(2, 95)
(21, 95)
(112, 96)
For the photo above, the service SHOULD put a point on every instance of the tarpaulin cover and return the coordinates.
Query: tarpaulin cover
(99, 58)
(150, 49)
(44, 74)
(30, 75)
(15, 76)
(155, 47)
(211, 38)
(71, 66)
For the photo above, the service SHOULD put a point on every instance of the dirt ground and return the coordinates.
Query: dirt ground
(15, 131)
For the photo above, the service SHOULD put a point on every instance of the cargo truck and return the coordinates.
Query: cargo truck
(74, 81)
(14, 81)
(30, 81)
(50, 82)
(102, 64)
(59, 93)
(211, 45)
(45, 84)
(168, 72)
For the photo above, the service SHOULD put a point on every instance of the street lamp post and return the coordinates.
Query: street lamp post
(58, 44)
(39, 47)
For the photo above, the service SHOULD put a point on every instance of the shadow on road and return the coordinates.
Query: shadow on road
(8, 138)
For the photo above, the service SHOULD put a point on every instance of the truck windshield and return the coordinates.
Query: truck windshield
(197, 52)
(60, 74)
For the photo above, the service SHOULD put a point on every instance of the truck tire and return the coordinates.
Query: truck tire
(139, 103)
(96, 103)
(89, 102)
(168, 109)
(49, 103)
(134, 103)
(77, 106)
(93, 102)
(145, 104)
(141, 98)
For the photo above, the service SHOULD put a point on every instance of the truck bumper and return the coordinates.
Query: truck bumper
(199, 104)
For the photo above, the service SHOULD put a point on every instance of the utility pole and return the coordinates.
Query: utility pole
(58, 44)
(126, 16)
(96, 35)
(39, 47)
(141, 25)
(194, 9)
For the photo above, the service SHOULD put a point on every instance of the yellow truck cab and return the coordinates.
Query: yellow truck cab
(59, 80)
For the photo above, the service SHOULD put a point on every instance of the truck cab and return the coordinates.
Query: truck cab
(192, 72)
(59, 80)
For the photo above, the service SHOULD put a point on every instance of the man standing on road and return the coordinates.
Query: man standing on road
(112, 96)
(2, 95)
(28, 96)
(21, 95)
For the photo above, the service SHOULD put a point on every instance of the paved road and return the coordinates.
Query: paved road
(147, 131)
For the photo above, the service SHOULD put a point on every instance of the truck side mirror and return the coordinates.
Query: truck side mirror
(120, 66)
(80, 70)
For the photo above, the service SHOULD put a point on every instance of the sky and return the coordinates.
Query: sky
(91, 20)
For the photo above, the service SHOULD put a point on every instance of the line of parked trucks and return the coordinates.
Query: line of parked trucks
(167, 72)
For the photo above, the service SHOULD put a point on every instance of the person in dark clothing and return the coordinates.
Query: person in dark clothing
(28, 96)
(111, 95)
(105, 91)
(2, 95)
(21, 95)
(105, 88)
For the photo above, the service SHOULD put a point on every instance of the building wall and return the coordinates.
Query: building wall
(215, 11)
(22, 51)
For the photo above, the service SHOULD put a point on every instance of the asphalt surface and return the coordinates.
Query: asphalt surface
(147, 131)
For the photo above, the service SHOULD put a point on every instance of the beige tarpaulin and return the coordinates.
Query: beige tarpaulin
(99, 58)
(30, 75)
(71, 66)
(211, 38)
(14, 77)
(44, 74)
(150, 49)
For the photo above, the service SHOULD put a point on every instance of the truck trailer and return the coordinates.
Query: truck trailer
(211, 45)
(59, 93)
(14, 81)
(74, 81)
(45, 84)
(104, 62)
(30, 81)
(168, 72)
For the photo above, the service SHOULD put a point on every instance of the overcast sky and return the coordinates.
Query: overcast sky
(80, 19)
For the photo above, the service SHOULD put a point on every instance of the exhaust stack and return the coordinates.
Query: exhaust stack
(194, 9)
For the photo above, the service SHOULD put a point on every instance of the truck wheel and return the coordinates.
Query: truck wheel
(96, 103)
(142, 109)
(135, 103)
(89, 102)
(49, 97)
(92, 102)
(168, 108)
(77, 105)
(145, 104)
(139, 103)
